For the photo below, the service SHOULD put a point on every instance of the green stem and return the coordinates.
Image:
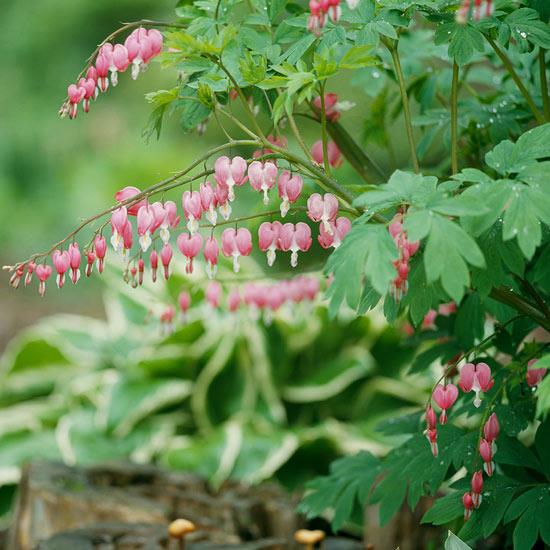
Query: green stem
(454, 120)
(510, 298)
(324, 130)
(515, 77)
(544, 84)
(392, 47)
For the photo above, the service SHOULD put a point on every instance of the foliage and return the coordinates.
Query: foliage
(466, 184)
(227, 397)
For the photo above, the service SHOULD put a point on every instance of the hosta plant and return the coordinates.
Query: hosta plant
(449, 230)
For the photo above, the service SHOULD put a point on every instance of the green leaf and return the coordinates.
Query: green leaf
(525, 25)
(357, 57)
(367, 251)
(464, 40)
(542, 444)
(454, 543)
(470, 321)
(348, 484)
(449, 250)
(131, 401)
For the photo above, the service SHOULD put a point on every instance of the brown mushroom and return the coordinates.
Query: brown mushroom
(309, 538)
(178, 529)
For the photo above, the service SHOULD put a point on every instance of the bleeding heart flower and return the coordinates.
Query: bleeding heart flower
(445, 396)
(476, 378)
(263, 177)
(43, 273)
(211, 253)
(290, 188)
(236, 244)
(339, 229)
(230, 173)
(334, 155)
(323, 209)
(268, 237)
(295, 238)
(74, 262)
(61, 262)
(192, 210)
(189, 246)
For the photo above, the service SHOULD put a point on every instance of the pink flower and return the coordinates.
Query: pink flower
(189, 246)
(127, 237)
(491, 428)
(16, 277)
(154, 261)
(431, 429)
(127, 193)
(76, 94)
(43, 273)
(477, 378)
(221, 193)
(235, 244)
(468, 503)
(290, 188)
(445, 396)
(166, 258)
(31, 267)
(334, 155)
(119, 221)
(145, 221)
(234, 300)
(120, 60)
(102, 70)
(208, 202)
(74, 262)
(211, 253)
(477, 487)
(61, 262)
(213, 293)
(192, 210)
(89, 87)
(184, 301)
(90, 260)
(316, 20)
(295, 238)
(486, 452)
(332, 110)
(323, 209)
(339, 229)
(100, 249)
(444, 309)
(230, 173)
(156, 41)
(534, 376)
(263, 177)
(141, 270)
(481, 9)
(268, 239)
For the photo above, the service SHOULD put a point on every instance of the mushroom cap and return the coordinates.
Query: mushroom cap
(305, 536)
(180, 527)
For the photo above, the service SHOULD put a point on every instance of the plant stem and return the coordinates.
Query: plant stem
(515, 77)
(454, 120)
(544, 84)
(298, 136)
(324, 130)
(392, 47)
(510, 298)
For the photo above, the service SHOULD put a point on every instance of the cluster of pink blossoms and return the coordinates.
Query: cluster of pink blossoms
(156, 221)
(406, 249)
(266, 298)
(475, 378)
(138, 49)
(487, 449)
(323, 10)
(479, 10)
